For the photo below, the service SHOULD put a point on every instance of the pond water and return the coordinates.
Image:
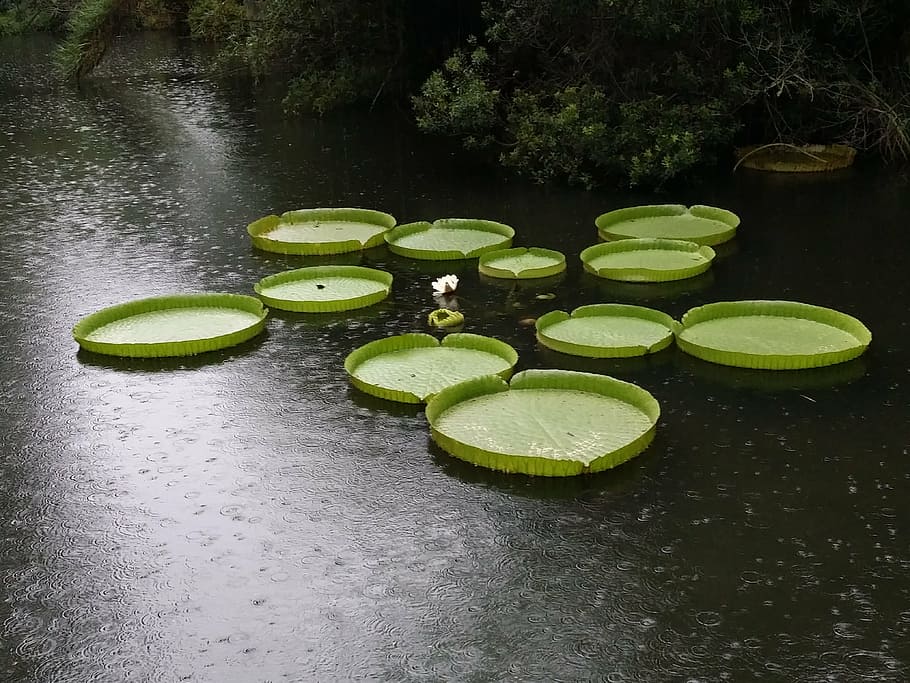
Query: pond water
(247, 516)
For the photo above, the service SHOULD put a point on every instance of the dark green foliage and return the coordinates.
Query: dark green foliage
(592, 91)
(646, 90)
(89, 32)
(217, 20)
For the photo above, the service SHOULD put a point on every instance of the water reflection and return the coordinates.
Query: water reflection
(773, 380)
(615, 290)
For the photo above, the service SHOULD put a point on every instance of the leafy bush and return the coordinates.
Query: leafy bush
(644, 91)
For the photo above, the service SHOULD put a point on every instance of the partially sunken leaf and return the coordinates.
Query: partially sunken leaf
(449, 239)
(647, 260)
(705, 225)
(325, 289)
(522, 263)
(606, 331)
(772, 335)
(786, 158)
(178, 325)
(321, 231)
(412, 367)
(552, 423)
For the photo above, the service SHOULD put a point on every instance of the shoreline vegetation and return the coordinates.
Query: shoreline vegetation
(590, 92)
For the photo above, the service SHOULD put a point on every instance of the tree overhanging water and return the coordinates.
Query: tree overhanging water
(590, 91)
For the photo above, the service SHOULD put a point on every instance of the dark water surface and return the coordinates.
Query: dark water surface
(246, 516)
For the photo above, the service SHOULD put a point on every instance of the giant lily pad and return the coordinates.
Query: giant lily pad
(552, 423)
(448, 239)
(771, 335)
(412, 367)
(606, 331)
(522, 263)
(647, 260)
(705, 225)
(786, 158)
(321, 231)
(178, 325)
(324, 289)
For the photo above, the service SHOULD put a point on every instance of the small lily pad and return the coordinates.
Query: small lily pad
(449, 239)
(443, 317)
(772, 335)
(522, 263)
(552, 423)
(178, 325)
(321, 231)
(325, 289)
(705, 225)
(647, 260)
(606, 331)
(412, 367)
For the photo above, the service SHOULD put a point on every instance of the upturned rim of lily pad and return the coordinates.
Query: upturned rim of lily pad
(541, 381)
(702, 255)
(503, 232)
(730, 310)
(260, 229)
(487, 264)
(547, 320)
(614, 225)
(340, 303)
(83, 329)
(420, 340)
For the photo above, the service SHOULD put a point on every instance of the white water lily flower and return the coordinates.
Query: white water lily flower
(445, 284)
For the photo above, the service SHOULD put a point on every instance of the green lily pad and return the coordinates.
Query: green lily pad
(772, 335)
(647, 260)
(412, 367)
(321, 231)
(522, 263)
(449, 239)
(705, 225)
(324, 289)
(443, 317)
(606, 331)
(552, 423)
(178, 325)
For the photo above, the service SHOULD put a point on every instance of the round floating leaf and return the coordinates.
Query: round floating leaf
(606, 331)
(412, 367)
(321, 231)
(443, 317)
(771, 335)
(324, 289)
(786, 158)
(522, 263)
(178, 325)
(647, 260)
(449, 239)
(706, 225)
(552, 423)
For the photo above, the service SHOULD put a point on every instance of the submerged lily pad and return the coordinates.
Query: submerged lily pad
(324, 289)
(772, 335)
(552, 423)
(705, 225)
(606, 331)
(178, 325)
(449, 239)
(412, 367)
(786, 158)
(647, 260)
(321, 231)
(522, 263)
